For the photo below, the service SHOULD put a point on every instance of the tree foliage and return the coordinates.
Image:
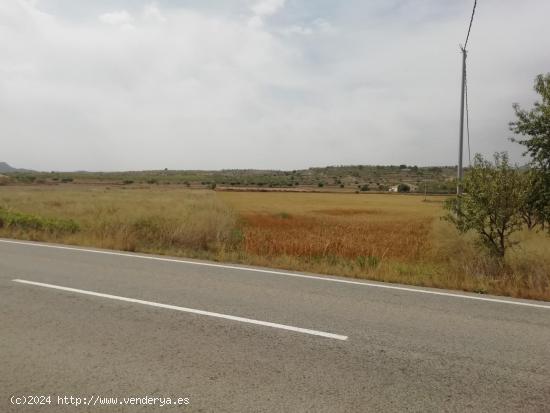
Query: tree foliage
(491, 203)
(533, 128)
(530, 209)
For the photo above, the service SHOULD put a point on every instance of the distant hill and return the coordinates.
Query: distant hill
(4, 167)
(343, 178)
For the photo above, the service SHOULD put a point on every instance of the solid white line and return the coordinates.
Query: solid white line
(189, 310)
(287, 274)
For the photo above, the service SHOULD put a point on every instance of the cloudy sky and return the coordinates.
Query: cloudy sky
(209, 84)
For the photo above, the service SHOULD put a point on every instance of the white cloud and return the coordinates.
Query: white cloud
(152, 12)
(267, 7)
(262, 10)
(117, 18)
(318, 26)
(255, 22)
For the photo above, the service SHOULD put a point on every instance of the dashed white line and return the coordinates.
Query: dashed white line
(275, 272)
(188, 310)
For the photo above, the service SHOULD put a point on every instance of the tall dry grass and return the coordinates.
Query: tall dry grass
(152, 220)
(525, 271)
(341, 236)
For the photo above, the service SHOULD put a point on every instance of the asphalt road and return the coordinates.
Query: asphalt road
(164, 328)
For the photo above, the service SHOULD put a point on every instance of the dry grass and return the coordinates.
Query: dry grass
(342, 237)
(392, 238)
(347, 212)
(348, 226)
(524, 273)
(159, 220)
(392, 206)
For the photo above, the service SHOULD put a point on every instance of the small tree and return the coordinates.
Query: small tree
(491, 203)
(534, 128)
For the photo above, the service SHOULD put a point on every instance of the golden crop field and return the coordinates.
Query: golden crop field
(394, 238)
(335, 225)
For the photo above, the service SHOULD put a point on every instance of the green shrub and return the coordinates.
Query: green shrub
(19, 220)
(28, 179)
(403, 188)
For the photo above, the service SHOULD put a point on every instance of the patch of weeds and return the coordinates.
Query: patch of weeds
(370, 261)
(236, 236)
(18, 220)
(332, 260)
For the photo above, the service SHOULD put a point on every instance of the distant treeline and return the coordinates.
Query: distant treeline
(359, 178)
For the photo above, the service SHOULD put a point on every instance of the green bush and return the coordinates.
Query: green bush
(403, 188)
(19, 220)
(28, 179)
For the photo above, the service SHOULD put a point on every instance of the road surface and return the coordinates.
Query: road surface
(97, 324)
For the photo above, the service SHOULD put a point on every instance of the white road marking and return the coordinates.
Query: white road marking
(287, 274)
(189, 310)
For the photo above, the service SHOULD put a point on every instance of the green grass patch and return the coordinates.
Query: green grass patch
(17, 220)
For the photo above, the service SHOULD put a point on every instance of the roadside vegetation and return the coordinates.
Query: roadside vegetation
(153, 220)
(394, 238)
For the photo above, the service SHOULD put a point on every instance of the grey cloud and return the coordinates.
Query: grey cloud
(192, 85)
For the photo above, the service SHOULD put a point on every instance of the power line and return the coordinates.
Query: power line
(466, 86)
(463, 106)
(470, 26)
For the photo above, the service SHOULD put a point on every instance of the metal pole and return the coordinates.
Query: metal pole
(425, 189)
(461, 136)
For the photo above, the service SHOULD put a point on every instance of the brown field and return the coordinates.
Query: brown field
(394, 238)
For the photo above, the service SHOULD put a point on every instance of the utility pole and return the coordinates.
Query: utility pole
(460, 170)
(425, 189)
